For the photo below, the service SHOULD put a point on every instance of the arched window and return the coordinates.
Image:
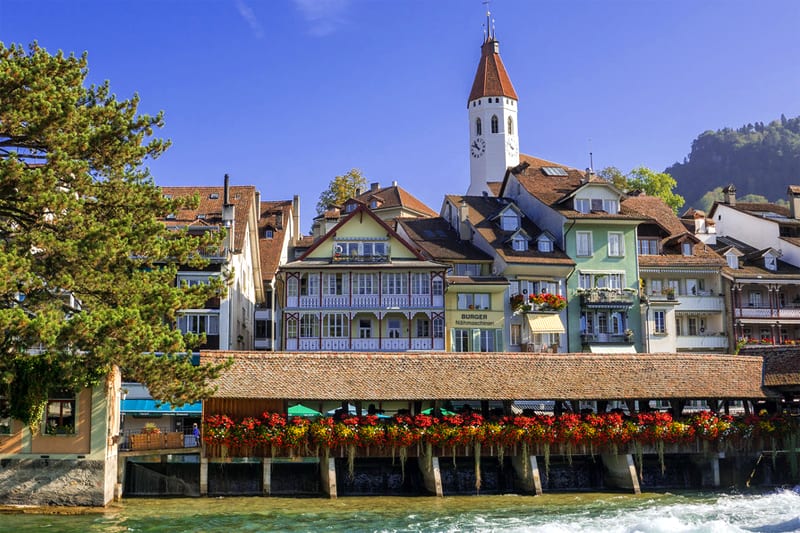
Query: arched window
(495, 125)
(510, 126)
(478, 128)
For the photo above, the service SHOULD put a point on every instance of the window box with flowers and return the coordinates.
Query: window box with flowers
(544, 303)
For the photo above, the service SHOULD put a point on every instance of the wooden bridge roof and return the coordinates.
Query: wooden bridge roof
(487, 376)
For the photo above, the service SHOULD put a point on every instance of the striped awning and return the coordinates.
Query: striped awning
(545, 323)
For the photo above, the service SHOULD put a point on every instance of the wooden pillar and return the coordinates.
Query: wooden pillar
(266, 476)
(203, 475)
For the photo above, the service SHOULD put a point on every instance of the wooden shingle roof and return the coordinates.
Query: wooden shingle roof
(486, 376)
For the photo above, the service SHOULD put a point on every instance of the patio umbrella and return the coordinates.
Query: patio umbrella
(302, 410)
(444, 412)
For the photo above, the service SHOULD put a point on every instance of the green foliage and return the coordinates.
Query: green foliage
(87, 269)
(757, 158)
(643, 179)
(340, 189)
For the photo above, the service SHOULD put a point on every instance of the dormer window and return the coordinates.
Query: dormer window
(733, 261)
(349, 208)
(587, 205)
(269, 234)
(687, 248)
(771, 262)
(545, 244)
(519, 243)
(213, 196)
(509, 221)
(373, 204)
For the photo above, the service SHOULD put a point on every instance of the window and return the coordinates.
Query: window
(602, 322)
(309, 326)
(461, 340)
(199, 324)
(754, 299)
(5, 417)
(365, 328)
(291, 287)
(509, 221)
(333, 284)
(510, 129)
(423, 327)
(692, 322)
(616, 244)
(393, 328)
(437, 286)
(611, 206)
(516, 334)
(495, 124)
(467, 269)
(648, 246)
(350, 207)
(269, 234)
(60, 414)
(309, 284)
(660, 324)
(263, 329)
(655, 286)
(395, 283)
(334, 325)
(686, 248)
(545, 244)
(420, 283)
(487, 339)
(519, 244)
(478, 128)
(770, 262)
(473, 301)
(582, 205)
(291, 328)
(678, 328)
(733, 261)
(438, 328)
(364, 283)
(583, 242)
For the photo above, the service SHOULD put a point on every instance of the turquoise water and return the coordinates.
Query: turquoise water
(608, 513)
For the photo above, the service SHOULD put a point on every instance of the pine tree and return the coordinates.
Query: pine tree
(87, 270)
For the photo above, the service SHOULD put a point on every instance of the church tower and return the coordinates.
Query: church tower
(492, 107)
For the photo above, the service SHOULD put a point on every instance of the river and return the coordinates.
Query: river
(695, 512)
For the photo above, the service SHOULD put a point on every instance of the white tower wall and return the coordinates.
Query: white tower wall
(491, 153)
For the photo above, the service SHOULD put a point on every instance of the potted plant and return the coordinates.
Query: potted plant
(670, 293)
(628, 335)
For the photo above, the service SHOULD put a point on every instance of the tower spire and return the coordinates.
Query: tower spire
(489, 31)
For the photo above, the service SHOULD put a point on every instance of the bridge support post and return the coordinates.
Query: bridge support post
(203, 475)
(266, 476)
(431, 474)
(328, 477)
(621, 472)
(527, 470)
(122, 462)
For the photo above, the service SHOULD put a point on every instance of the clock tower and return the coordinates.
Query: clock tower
(492, 108)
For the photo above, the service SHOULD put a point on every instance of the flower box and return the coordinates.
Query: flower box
(147, 441)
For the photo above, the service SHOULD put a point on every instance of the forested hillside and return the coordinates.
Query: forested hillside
(757, 158)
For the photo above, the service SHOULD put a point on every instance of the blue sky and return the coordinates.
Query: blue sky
(286, 94)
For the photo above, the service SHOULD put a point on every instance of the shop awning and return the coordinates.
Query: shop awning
(545, 323)
(149, 407)
(612, 348)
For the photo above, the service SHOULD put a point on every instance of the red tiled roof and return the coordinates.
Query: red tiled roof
(211, 200)
(781, 366)
(396, 196)
(654, 208)
(440, 241)
(491, 78)
(486, 376)
(270, 248)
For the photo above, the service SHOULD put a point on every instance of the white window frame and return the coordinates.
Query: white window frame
(509, 221)
(519, 243)
(544, 244)
(365, 328)
(660, 322)
(583, 205)
(309, 326)
(395, 283)
(334, 325)
(420, 283)
(423, 327)
(393, 328)
(516, 335)
(616, 244)
(365, 284)
(611, 206)
(438, 328)
(583, 244)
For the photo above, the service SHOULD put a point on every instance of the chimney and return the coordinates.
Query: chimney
(358, 192)
(296, 218)
(729, 193)
(394, 183)
(794, 201)
(279, 219)
(228, 214)
(463, 222)
(374, 186)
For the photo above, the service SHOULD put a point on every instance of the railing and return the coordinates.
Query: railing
(135, 440)
(607, 297)
(611, 338)
(701, 303)
(766, 312)
(364, 301)
(364, 345)
(708, 342)
(343, 258)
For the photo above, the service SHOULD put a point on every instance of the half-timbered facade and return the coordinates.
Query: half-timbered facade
(362, 287)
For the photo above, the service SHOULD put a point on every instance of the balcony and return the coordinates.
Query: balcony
(606, 338)
(768, 313)
(701, 342)
(607, 298)
(366, 301)
(704, 303)
(333, 344)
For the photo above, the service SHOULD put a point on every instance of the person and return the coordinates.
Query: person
(196, 434)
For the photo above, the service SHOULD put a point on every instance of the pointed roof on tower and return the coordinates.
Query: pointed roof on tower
(491, 79)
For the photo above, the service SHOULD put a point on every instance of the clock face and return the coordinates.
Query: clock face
(478, 147)
(511, 146)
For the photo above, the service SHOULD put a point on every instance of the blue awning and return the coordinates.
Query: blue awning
(149, 407)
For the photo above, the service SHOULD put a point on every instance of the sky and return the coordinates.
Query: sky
(287, 94)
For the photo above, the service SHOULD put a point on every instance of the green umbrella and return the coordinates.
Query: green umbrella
(445, 412)
(302, 410)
